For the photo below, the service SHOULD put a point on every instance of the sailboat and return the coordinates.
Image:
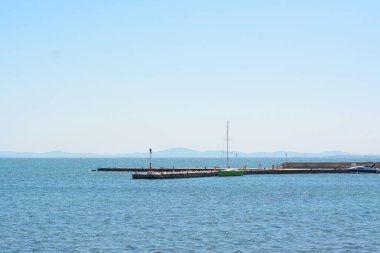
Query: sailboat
(229, 172)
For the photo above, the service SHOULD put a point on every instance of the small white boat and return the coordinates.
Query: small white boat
(365, 169)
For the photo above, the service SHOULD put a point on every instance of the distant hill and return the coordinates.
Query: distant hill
(175, 152)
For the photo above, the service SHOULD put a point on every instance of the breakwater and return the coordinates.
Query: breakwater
(285, 168)
(161, 169)
(174, 174)
(325, 165)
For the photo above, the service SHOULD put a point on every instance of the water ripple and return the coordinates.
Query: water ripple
(60, 206)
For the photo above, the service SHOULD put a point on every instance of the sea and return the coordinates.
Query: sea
(61, 205)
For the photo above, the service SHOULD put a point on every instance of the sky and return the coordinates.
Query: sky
(126, 76)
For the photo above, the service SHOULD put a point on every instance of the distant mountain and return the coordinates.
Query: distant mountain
(175, 153)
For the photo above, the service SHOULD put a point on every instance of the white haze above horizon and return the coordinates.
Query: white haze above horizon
(118, 77)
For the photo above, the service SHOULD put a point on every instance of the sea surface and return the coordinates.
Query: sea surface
(60, 205)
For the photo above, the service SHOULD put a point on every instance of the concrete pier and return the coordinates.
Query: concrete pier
(142, 169)
(176, 174)
(300, 171)
(285, 168)
(325, 165)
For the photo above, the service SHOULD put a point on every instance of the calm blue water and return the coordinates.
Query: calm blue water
(59, 205)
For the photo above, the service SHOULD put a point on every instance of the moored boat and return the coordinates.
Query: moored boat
(365, 169)
(229, 172)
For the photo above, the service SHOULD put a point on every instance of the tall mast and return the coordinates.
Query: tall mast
(228, 122)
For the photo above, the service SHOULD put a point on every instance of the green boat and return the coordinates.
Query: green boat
(230, 172)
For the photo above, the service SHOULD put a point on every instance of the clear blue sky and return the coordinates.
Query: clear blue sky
(123, 76)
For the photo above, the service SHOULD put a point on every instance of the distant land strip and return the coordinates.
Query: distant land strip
(182, 153)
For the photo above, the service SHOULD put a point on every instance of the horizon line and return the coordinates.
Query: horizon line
(181, 152)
